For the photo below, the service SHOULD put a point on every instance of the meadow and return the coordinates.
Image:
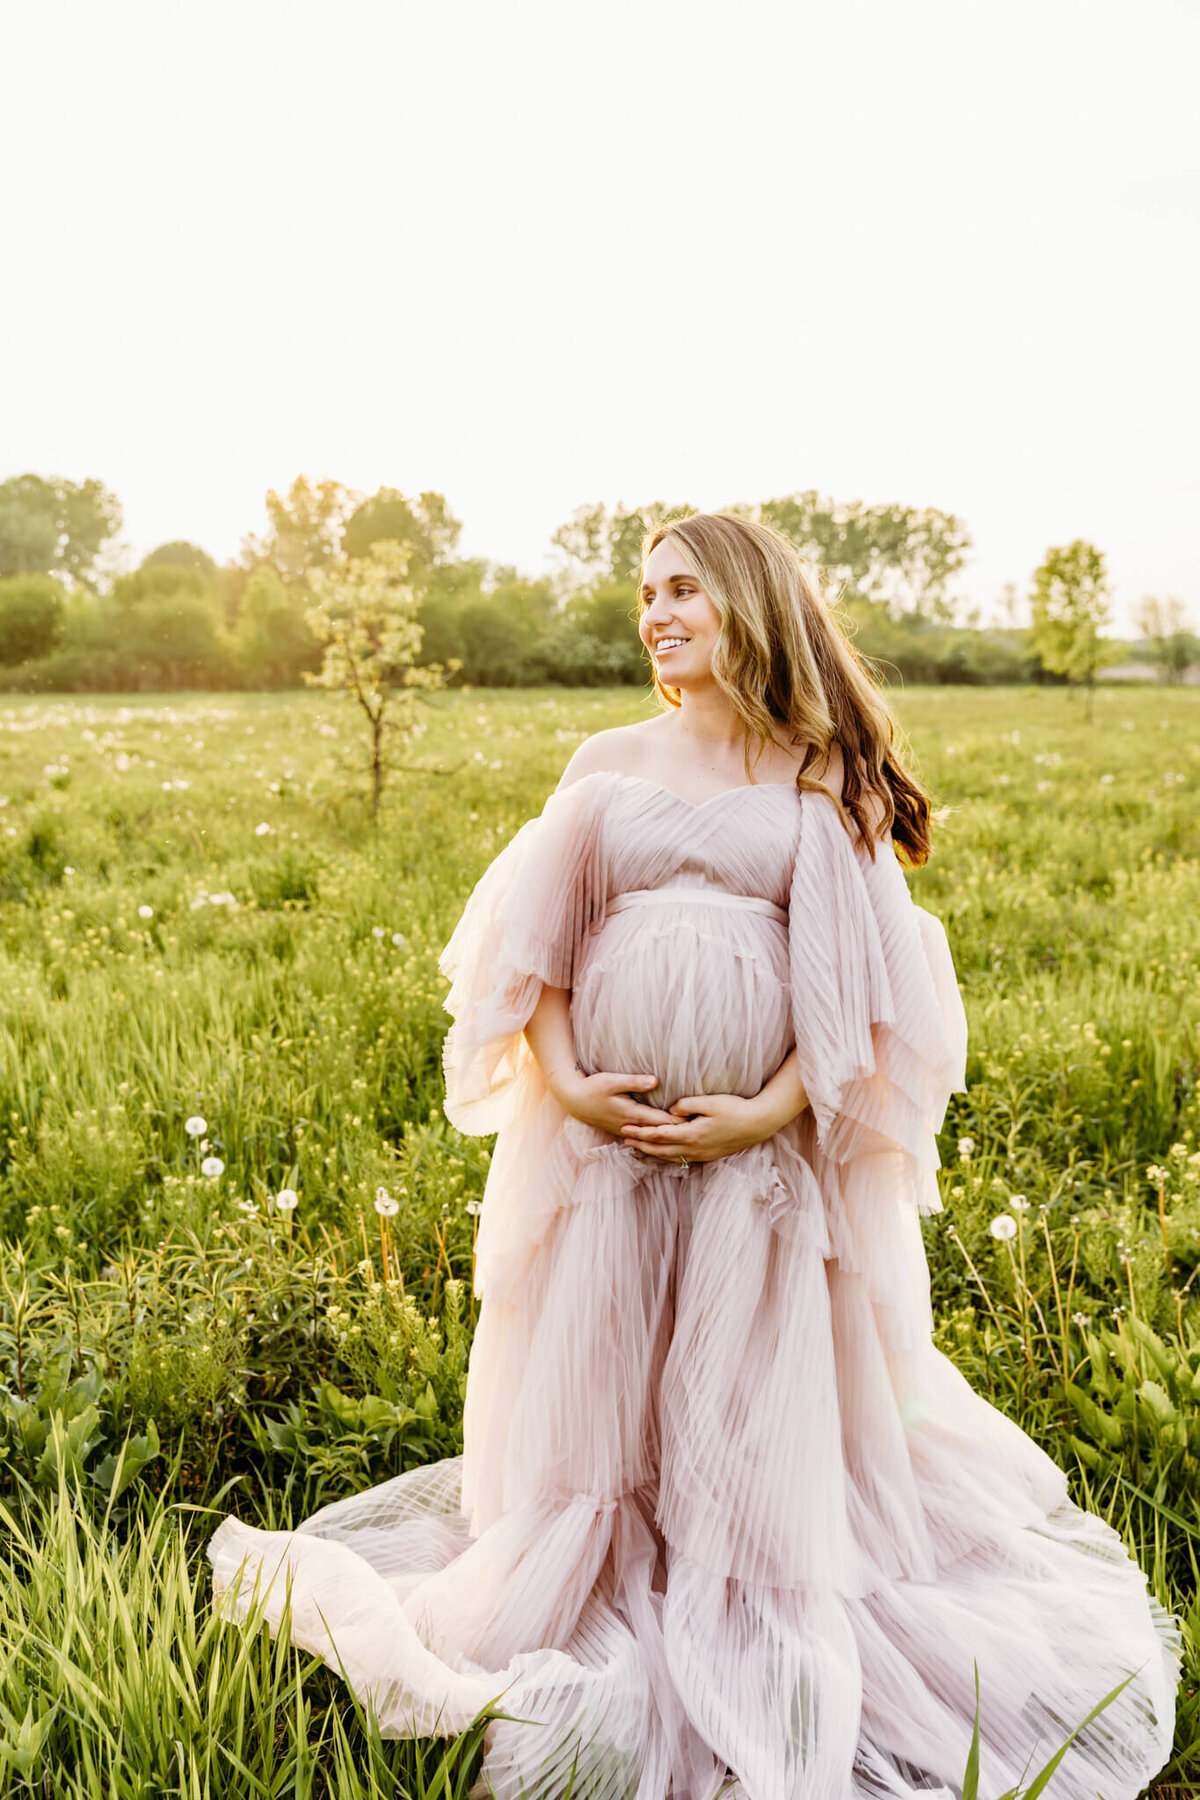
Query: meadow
(220, 1035)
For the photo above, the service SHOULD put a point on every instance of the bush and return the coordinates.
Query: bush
(31, 616)
(272, 642)
(173, 638)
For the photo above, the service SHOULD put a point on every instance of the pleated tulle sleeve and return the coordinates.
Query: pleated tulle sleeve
(881, 1033)
(522, 928)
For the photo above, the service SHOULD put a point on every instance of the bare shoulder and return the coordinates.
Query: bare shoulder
(615, 749)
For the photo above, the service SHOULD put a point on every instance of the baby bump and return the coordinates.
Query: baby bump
(694, 992)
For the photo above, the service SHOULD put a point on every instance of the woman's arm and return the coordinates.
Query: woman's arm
(603, 1098)
(783, 1098)
(552, 1041)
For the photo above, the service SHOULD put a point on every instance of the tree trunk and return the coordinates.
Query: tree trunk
(376, 766)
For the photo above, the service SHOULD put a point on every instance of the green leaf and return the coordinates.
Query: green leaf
(1101, 1425)
(117, 1471)
(1158, 1403)
(970, 1780)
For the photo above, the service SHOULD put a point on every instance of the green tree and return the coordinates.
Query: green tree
(165, 622)
(273, 642)
(179, 554)
(158, 582)
(602, 546)
(1071, 601)
(31, 616)
(365, 616)
(304, 529)
(174, 640)
(426, 524)
(607, 616)
(54, 527)
(514, 610)
(1164, 625)
(900, 557)
(608, 613)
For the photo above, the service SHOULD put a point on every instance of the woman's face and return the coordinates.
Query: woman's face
(675, 607)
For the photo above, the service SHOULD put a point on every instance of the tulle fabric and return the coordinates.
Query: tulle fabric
(723, 1509)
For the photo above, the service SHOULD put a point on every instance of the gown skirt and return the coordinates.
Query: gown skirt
(725, 1518)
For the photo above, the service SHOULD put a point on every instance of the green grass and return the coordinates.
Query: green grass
(266, 1361)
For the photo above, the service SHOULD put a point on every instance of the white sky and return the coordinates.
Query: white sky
(537, 254)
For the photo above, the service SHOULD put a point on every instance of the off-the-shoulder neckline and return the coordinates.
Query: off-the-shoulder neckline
(743, 787)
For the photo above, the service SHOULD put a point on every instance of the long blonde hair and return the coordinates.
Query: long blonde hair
(783, 655)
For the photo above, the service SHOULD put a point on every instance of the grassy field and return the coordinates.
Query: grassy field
(198, 925)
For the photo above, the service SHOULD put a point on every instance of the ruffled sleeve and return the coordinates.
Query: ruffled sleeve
(522, 928)
(881, 1032)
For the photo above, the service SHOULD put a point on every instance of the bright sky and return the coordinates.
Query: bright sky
(533, 255)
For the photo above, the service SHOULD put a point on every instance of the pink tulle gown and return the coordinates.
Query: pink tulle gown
(724, 1513)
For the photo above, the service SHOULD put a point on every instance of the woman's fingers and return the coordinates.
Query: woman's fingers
(648, 1117)
(668, 1132)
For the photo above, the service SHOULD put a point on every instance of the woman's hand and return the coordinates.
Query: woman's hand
(599, 1099)
(703, 1127)
(606, 1100)
(706, 1126)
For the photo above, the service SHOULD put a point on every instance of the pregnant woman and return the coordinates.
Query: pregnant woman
(726, 1519)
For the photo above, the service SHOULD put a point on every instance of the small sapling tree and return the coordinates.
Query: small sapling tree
(365, 617)
(1070, 604)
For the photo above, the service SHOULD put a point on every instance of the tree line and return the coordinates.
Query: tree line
(69, 623)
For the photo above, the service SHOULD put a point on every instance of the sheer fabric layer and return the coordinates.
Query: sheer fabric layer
(722, 1504)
